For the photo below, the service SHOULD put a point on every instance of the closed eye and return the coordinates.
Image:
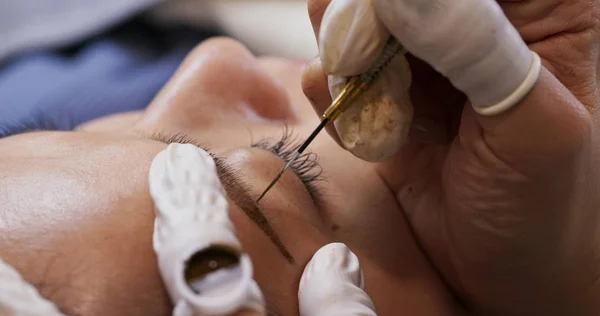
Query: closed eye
(236, 189)
(306, 168)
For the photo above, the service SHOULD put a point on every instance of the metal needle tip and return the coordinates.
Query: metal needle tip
(278, 176)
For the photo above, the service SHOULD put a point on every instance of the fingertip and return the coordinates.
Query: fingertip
(315, 86)
(351, 37)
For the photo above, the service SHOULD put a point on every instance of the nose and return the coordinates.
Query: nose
(219, 81)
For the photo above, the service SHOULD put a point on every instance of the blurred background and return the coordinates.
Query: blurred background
(65, 62)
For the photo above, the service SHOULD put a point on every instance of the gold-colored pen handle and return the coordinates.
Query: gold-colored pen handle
(355, 86)
(350, 92)
(358, 84)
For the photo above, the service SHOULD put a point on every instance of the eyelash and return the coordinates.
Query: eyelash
(180, 138)
(306, 167)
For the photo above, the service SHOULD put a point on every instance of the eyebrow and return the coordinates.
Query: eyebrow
(237, 189)
(239, 192)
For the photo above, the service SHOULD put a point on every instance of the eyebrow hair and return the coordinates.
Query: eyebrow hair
(238, 191)
(306, 166)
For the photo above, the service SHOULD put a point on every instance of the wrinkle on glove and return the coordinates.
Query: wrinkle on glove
(339, 53)
(469, 41)
(351, 39)
(333, 284)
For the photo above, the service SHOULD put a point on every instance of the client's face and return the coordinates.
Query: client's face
(76, 218)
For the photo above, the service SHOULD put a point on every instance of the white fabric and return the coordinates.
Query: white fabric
(333, 284)
(191, 216)
(469, 41)
(280, 28)
(35, 24)
(19, 298)
(267, 27)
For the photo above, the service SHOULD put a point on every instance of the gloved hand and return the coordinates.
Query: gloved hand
(333, 284)
(501, 188)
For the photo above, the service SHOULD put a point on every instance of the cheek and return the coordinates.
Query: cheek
(91, 255)
(276, 277)
(292, 217)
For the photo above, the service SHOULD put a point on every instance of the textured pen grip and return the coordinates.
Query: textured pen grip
(391, 49)
(357, 84)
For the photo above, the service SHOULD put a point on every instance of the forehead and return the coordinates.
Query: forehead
(73, 211)
(39, 170)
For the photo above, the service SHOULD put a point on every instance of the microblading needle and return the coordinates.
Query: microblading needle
(278, 176)
(354, 88)
(299, 152)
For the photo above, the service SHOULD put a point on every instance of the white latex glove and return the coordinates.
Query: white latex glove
(471, 42)
(19, 298)
(333, 284)
(192, 217)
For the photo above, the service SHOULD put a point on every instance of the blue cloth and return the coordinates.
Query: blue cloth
(116, 72)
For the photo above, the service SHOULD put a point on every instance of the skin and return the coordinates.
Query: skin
(507, 206)
(76, 218)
